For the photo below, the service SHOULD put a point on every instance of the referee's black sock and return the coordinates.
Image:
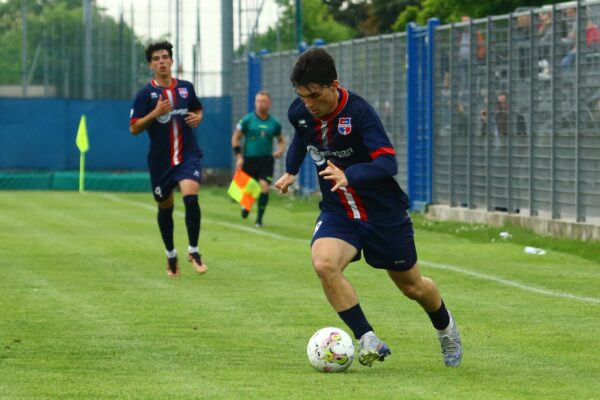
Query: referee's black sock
(440, 318)
(165, 224)
(356, 320)
(263, 199)
(192, 218)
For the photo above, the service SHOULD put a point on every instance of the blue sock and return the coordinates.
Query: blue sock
(165, 224)
(356, 320)
(192, 218)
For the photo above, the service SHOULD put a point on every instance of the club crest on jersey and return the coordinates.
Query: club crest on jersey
(345, 125)
(183, 93)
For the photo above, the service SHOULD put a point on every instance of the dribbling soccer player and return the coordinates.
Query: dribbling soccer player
(363, 209)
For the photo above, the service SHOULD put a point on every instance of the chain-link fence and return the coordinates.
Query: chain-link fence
(516, 107)
(374, 68)
(49, 48)
(518, 112)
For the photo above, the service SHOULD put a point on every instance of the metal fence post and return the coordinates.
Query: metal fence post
(432, 24)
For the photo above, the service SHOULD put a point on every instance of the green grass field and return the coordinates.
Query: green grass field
(87, 311)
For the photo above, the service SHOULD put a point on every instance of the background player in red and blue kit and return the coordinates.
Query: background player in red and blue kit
(169, 109)
(363, 208)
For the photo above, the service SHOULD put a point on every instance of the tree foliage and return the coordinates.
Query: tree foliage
(318, 23)
(336, 20)
(55, 49)
(452, 10)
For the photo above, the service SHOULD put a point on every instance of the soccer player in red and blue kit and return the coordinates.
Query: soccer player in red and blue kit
(363, 209)
(169, 109)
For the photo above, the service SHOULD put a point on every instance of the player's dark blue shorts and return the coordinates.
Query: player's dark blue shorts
(164, 181)
(259, 167)
(387, 244)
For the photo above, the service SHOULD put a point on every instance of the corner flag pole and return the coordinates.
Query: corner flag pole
(83, 145)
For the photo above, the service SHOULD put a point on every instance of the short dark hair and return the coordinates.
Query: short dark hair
(314, 66)
(152, 47)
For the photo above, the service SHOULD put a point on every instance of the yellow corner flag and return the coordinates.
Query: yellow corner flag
(82, 137)
(244, 189)
(83, 145)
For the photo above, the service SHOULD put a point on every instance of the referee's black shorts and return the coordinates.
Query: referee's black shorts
(259, 167)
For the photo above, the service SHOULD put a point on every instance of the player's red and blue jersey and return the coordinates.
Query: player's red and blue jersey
(171, 140)
(353, 138)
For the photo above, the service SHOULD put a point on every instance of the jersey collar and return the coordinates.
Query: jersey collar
(343, 100)
(156, 85)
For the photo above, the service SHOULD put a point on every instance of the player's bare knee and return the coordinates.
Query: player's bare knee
(412, 291)
(324, 267)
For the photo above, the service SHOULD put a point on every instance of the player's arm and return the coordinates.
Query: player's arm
(280, 146)
(236, 140)
(193, 118)
(141, 124)
(293, 160)
(195, 110)
(383, 157)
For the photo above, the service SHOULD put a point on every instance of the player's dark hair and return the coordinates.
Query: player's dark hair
(314, 66)
(152, 47)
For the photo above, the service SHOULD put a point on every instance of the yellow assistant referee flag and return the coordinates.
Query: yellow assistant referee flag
(82, 137)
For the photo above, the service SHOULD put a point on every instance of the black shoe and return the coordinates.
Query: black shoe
(196, 260)
(245, 213)
(172, 267)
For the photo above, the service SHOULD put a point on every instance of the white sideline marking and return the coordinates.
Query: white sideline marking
(445, 267)
(510, 283)
(208, 220)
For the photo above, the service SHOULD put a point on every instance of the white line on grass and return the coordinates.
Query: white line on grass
(445, 267)
(208, 220)
(509, 283)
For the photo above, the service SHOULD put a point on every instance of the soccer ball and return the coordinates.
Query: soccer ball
(330, 350)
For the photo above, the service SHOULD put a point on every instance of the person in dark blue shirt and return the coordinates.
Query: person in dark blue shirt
(363, 209)
(169, 109)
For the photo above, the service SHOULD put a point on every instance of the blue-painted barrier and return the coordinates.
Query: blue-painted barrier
(420, 113)
(39, 134)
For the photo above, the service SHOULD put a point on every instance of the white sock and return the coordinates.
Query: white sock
(193, 249)
(172, 253)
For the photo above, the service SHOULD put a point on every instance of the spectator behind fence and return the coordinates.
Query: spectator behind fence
(464, 55)
(544, 43)
(592, 38)
(569, 39)
(521, 38)
(544, 29)
(501, 118)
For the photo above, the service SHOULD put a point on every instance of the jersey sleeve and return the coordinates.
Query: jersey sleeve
(195, 104)
(140, 107)
(383, 157)
(297, 150)
(242, 124)
(295, 154)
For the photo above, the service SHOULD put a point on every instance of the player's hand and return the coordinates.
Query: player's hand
(333, 173)
(239, 162)
(193, 119)
(278, 153)
(162, 106)
(285, 182)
